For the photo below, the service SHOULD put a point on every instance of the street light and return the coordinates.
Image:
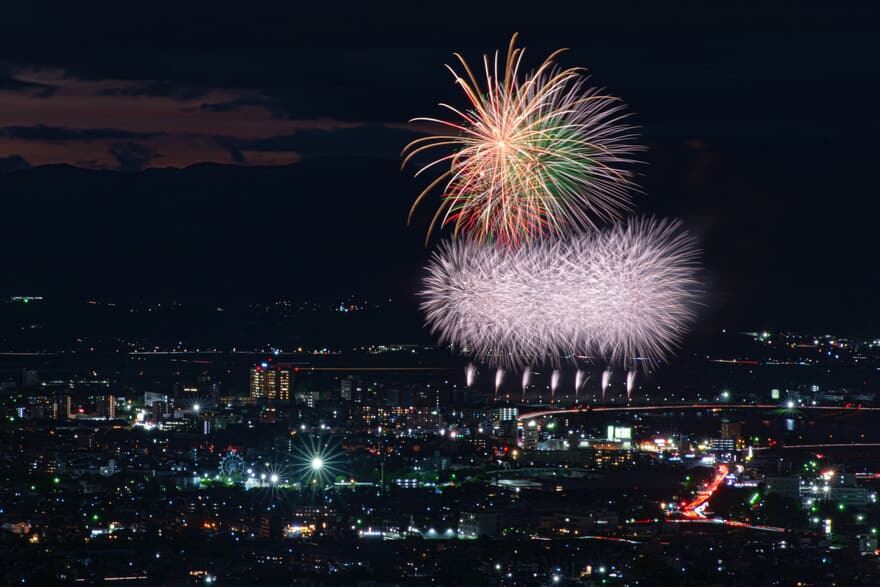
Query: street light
(273, 478)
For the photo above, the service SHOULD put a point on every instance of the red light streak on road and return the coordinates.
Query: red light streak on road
(694, 509)
(730, 523)
(663, 407)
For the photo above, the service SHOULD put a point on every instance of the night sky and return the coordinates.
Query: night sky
(253, 154)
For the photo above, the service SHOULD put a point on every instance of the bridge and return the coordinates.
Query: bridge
(678, 407)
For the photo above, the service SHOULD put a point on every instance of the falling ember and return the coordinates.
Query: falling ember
(499, 377)
(630, 383)
(526, 378)
(554, 383)
(470, 373)
(606, 381)
(578, 383)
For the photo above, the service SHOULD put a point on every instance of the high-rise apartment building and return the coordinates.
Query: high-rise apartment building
(106, 406)
(270, 382)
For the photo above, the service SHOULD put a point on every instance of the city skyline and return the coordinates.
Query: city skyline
(286, 301)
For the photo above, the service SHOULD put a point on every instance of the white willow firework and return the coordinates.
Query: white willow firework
(529, 155)
(626, 293)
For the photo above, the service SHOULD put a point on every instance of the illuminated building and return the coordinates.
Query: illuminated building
(270, 526)
(61, 408)
(725, 446)
(612, 458)
(622, 434)
(308, 398)
(178, 424)
(106, 406)
(506, 413)
(159, 409)
(531, 435)
(345, 389)
(475, 525)
(416, 417)
(270, 382)
(844, 489)
(731, 430)
(258, 382)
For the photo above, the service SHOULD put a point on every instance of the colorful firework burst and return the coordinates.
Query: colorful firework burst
(529, 156)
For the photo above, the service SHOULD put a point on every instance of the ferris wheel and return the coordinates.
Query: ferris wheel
(231, 464)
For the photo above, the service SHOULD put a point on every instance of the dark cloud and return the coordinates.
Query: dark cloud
(163, 88)
(132, 156)
(9, 81)
(239, 103)
(41, 132)
(13, 163)
(46, 92)
(367, 140)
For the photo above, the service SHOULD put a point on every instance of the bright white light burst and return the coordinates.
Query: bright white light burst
(626, 293)
(317, 460)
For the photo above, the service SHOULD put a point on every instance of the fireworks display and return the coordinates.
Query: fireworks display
(529, 155)
(624, 294)
(535, 179)
(470, 373)
(499, 378)
(630, 383)
(526, 379)
(580, 378)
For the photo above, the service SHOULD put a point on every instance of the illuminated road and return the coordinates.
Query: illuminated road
(694, 509)
(824, 445)
(693, 512)
(302, 368)
(673, 407)
(730, 523)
